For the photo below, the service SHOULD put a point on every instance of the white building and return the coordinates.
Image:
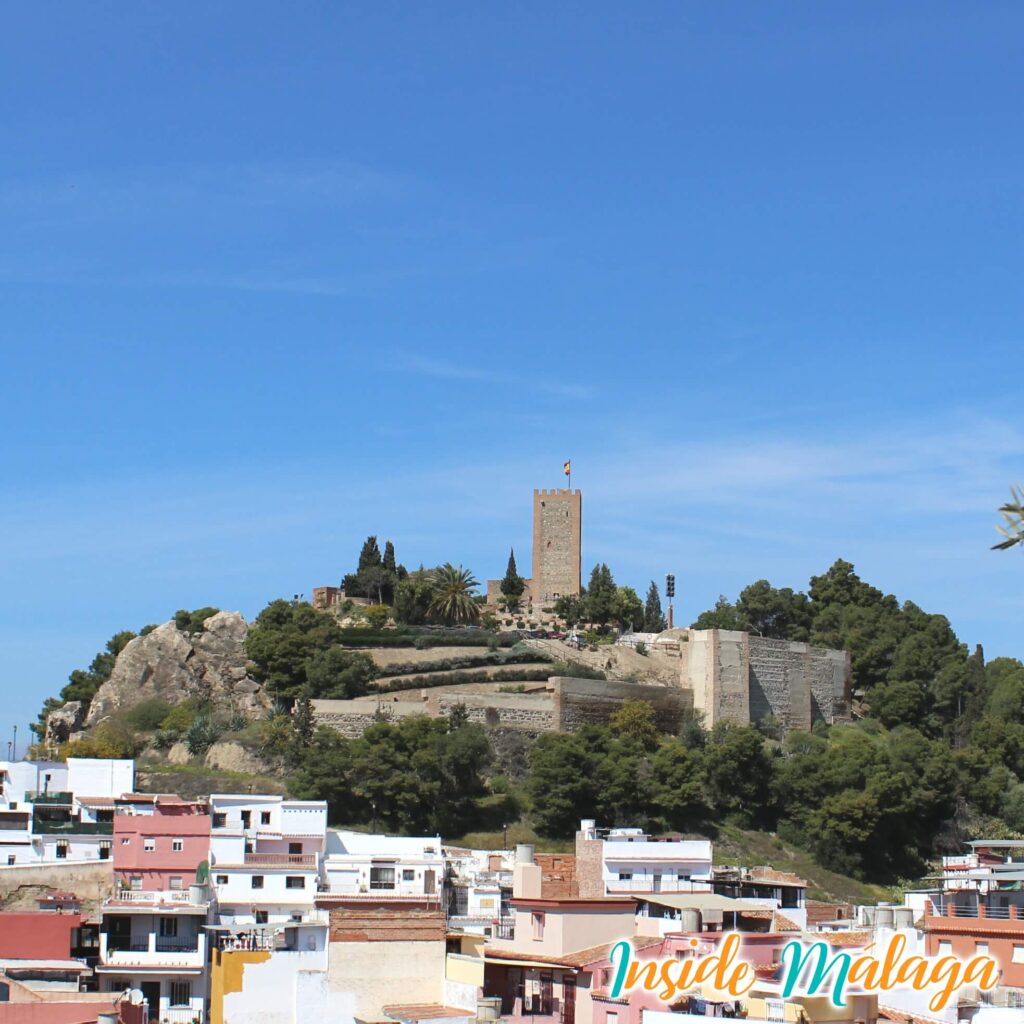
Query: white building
(265, 864)
(362, 868)
(627, 861)
(157, 942)
(52, 812)
(479, 888)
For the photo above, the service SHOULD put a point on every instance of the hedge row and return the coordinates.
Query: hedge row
(408, 668)
(394, 638)
(505, 675)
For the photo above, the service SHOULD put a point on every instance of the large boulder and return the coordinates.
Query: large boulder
(229, 756)
(62, 722)
(173, 666)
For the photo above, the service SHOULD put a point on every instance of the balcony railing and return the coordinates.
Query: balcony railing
(153, 951)
(175, 1015)
(505, 930)
(977, 910)
(650, 883)
(172, 896)
(58, 798)
(44, 827)
(280, 860)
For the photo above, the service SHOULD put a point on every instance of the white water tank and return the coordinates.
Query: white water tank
(884, 916)
(524, 853)
(588, 826)
(689, 920)
(904, 917)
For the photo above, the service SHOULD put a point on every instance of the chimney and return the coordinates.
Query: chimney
(526, 875)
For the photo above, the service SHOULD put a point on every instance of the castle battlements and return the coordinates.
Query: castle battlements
(562, 491)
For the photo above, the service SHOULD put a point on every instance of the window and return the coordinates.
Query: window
(62, 849)
(774, 1009)
(181, 993)
(264, 817)
(382, 878)
(408, 875)
(682, 876)
(220, 820)
(246, 819)
(625, 876)
(537, 920)
(261, 917)
(945, 949)
(981, 949)
(1018, 954)
(125, 840)
(10, 860)
(294, 849)
(222, 879)
(174, 882)
(257, 881)
(169, 927)
(295, 882)
(104, 849)
(177, 845)
(612, 1018)
(148, 844)
(136, 883)
(605, 978)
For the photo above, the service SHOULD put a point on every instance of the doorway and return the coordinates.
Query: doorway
(568, 1000)
(151, 993)
(429, 880)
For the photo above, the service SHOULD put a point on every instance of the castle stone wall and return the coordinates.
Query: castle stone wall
(740, 678)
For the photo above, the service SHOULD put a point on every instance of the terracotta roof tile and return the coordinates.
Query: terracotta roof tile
(425, 1011)
(781, 923)
(845, 939)
(354, 924)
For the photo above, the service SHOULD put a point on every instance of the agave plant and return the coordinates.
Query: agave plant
(1013, 513)
(453, 601)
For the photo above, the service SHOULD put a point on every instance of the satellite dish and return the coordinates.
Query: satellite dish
(135, 996)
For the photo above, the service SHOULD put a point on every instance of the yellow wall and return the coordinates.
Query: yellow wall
(465, 972)
(226, 973)
(818, 1010)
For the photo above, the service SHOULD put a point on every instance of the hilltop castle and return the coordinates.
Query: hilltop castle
(557, 533)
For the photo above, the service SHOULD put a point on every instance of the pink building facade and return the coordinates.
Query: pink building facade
(161, 851)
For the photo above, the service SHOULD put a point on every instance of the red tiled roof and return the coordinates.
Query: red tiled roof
(846, 939)
(781, 923)
(595, 954)
(425, 1011)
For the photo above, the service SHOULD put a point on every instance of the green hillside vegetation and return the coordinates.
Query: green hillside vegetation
(935, 752)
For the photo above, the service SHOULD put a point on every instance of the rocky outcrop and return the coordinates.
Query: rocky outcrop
(229, 756)
(62, 722)
(173, 666)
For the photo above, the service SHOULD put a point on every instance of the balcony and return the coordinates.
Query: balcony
(45, 827)
(55, 798)
(142, 897)
(166, 952)
(652, 883)
(505, 930)
(280, 860)
(176, 1015)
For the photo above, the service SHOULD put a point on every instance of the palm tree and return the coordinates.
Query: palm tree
(453, 601)
(1013, 513)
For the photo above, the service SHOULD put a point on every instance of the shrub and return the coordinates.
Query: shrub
(164, 739)
(192, 622)
(236, 721)
(149, 714)
(503, 675)
(201, 735)
(641, 648)
(577, 671)
(518, 655)
(377, 615)
(181, 716)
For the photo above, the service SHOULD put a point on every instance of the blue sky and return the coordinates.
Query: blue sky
(274, 277)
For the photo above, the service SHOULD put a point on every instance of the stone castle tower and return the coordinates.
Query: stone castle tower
(557, 532)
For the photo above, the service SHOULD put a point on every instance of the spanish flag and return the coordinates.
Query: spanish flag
(567, 467)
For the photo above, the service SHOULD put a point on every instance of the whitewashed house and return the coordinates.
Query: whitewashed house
(265, 864)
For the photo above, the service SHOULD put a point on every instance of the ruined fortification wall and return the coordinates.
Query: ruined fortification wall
(739, 678)
(563, 705)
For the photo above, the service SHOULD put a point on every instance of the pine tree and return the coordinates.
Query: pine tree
(654, 621)
(303, 722)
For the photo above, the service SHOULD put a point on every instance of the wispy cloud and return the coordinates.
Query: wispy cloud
(427, 366)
